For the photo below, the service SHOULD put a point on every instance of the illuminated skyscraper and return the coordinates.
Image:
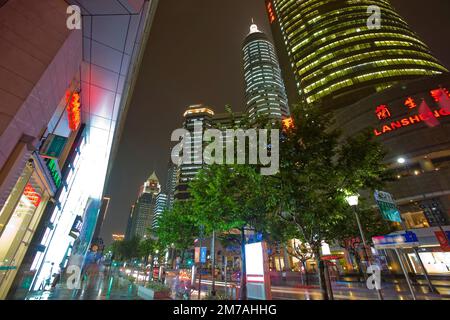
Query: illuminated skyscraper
(158, 209)
(171, 183)
(143, 210)
(196, 117)
(328, 52)
(264, 87)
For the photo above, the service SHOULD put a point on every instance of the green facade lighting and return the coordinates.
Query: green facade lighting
(336, 57)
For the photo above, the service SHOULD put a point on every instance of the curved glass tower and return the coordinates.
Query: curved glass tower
(264, 87)
(335, 57)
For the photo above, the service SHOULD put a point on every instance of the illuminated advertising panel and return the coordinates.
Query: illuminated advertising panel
(257, 268)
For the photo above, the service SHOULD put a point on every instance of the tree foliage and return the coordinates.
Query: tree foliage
(176, 227)
(319, 168)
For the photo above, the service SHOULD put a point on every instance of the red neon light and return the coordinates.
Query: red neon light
(271, 12)
(288, 123)
(32, 195)
(74, 111)
(437, 94)
(410, 103)
(413, 120)
(382, 112)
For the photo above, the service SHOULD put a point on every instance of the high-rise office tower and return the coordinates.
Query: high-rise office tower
(142, 213)
(265, 93)
(197, 118)
(331, 51)
(160, 206)
(171, 183)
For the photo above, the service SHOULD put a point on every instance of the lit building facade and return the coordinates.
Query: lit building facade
(171, 184)
(160, 206)
(412, 121)
(142, 214)
(264, 87)
(196, 117)
(63, 93)
(328, 52)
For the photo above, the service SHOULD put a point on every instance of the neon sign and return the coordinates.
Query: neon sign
(74, 111)
(288, 123)
(52, 166)
(410, 103)
(271, 12)
(425, 114)
(32, 195)
(406, 122)
(382, 112)
(438, 94)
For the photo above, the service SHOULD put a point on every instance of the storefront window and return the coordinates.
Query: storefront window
(415, 220)
(434, 262)
(24, 217)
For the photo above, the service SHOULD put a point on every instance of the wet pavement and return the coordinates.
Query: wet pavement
(100, 287)
(104, 286)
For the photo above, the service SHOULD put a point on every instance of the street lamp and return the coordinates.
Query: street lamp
(352, 200)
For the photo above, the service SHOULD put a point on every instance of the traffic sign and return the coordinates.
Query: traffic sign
(387, 206)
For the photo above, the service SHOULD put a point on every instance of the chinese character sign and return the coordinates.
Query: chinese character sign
(382, 112)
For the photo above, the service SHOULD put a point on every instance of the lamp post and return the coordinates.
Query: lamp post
(353, 200)
(402, 161)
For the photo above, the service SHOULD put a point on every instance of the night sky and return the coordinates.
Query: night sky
(194, 56)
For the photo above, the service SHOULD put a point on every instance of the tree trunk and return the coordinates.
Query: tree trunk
(243, 291)
(305, 272)
(360, 269)
(145, 268)
(151, 267)
(321, 274)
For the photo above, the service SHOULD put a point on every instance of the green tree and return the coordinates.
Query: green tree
(319, 166)
(177, 229)
(230, 199)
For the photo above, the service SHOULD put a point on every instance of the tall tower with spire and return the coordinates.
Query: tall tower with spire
(141, 216)
(265, 93)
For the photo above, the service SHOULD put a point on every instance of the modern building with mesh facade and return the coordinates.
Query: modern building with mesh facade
(329, 53)
(264, 87)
